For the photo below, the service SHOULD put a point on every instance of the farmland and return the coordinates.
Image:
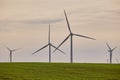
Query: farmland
(59, 71)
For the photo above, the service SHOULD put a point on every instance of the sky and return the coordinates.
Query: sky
(24, 24)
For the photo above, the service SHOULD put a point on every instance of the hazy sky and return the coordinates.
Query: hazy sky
(24, 24)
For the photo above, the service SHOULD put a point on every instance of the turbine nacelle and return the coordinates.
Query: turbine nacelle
(71, 33)
(110, 50)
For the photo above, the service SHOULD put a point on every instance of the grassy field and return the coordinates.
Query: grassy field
(59, 71)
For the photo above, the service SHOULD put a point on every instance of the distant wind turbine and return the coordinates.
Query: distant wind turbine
(11, 51)
(107, 60)
(117, 60)
(110, 51)
(71, 38)
(49, 45)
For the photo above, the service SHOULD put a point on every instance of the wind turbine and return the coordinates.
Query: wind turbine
(110, 51)
(117, 60)
(71, 38)
(11, 51)
(49, 45)
(107, 60)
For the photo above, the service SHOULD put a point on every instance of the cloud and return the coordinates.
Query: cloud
(8, 25)
(45, 21)
(33, 21)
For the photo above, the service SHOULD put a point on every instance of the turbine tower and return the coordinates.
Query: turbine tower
(49, 45)
(71, 38)
(110, 51)
(10, 51)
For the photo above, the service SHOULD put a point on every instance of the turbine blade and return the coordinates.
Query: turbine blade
(40, 49)
(16, 49)
(49, 34)
(57, 48)
(6, 47)
(108, 45)
(62, 43)
(84, 36)
(67, 21)
(114, 48)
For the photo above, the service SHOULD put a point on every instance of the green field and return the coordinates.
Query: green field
(59, 71)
